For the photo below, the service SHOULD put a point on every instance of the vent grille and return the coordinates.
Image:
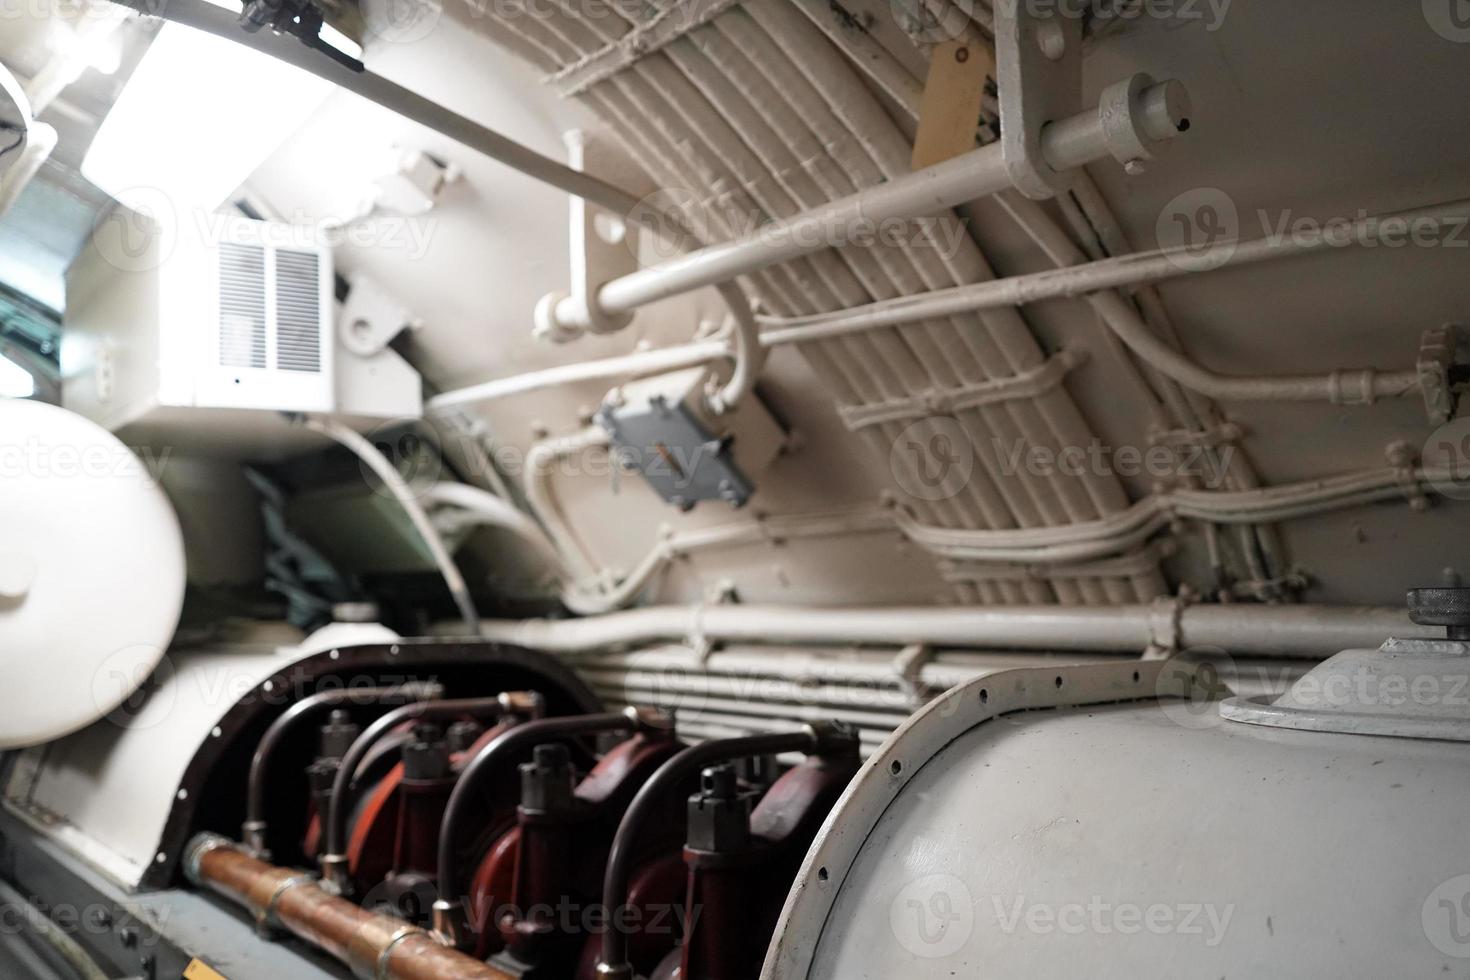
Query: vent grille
(241, 306)
(298, 311)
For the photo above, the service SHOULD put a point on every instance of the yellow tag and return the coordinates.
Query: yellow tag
(950, 111)
(198, 971)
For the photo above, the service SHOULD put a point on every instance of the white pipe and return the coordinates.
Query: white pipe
(494, 511)
(1256, 630)
(1128, 529)
(1066, 144)
(1059, 549)
(40, 142)
(393, 480)
(1360, 387)
(541, 462)
(636, 364)
(1094, 279)
(1113, 273)
(1072, 281)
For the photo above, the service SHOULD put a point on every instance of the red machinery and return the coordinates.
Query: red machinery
(573, 861)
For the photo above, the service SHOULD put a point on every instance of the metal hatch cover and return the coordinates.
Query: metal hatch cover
(1405, 689)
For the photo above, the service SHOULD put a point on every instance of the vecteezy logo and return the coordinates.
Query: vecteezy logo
(400, 21)
(1449, 18)
(139, 236)
(1446, 456)
(1200, 228)
(1191, 685)
(933, 917)
(672, 220)
(652, 678)
(412, 450)
(1446, 917)
(133, 692)
(933, 459)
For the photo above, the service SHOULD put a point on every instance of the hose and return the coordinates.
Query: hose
(255, 825)
(448, 910)
(394, 481)
(614, 963)
(334, 855)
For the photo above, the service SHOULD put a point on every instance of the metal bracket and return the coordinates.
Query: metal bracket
(1166, 627)
(371, 317)
(1404, 459)
(909, 666)
(1039, 74)
(1437, 349)
(604, 245)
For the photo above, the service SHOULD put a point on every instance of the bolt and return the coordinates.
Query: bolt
(1135, 168)
(1051, 39)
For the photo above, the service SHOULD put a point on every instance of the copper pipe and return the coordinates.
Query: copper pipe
(373, 946)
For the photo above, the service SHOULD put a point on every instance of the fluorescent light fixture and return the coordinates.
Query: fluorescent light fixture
(15, 381)
(196, 119)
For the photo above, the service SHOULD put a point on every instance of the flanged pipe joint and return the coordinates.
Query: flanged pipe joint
(1136, 121)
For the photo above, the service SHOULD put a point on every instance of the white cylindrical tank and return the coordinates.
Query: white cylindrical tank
(91, 571)
(1091, 822)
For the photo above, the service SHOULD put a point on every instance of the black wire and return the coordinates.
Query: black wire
(20, 137)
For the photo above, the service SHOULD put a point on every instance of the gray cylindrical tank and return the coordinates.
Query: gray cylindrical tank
(1138, 829)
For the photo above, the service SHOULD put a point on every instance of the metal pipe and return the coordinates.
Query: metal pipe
(1112, 273)
(449, 908)
(1082, 280)
(1268, 631)
(491, 510)
(626, 366)
(972, 175)
(374, 946)
(334, 856)
(810, 740)
(254, 829)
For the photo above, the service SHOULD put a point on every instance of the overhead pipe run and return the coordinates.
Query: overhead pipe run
(1054, 548)
(1247, 630)
(1160, 111)
(1082, 280)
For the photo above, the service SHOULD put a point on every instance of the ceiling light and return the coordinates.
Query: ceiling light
(196, 119)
